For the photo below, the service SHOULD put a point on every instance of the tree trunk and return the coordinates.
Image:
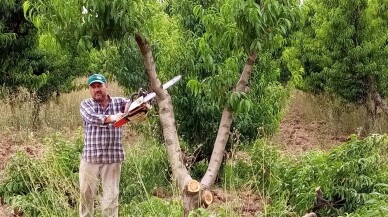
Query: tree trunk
(167, 119)
(224, 128)
(35, 112)
(195, 194)
(180, 173)
(371, 104)
(379, 102)
(370, 116)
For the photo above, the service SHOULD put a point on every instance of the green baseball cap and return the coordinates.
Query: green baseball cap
(96, 78)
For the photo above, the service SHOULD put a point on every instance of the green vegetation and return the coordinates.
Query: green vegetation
(32, 60)
(240, 61)
(48, 186)
(187, 38)
(342, 50)
(353, 178)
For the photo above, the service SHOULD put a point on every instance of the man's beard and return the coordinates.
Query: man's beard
(99, 97)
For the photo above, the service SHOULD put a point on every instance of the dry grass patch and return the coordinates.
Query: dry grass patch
(320, 122)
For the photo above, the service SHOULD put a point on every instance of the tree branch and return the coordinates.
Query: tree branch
(224, 127)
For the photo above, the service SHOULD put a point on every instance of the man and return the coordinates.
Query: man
(103, 152)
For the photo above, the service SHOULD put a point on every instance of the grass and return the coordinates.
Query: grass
(341, 118)
(50, 174)
(61, 114)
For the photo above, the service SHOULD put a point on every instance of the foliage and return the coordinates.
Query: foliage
(32, 60)
(75, 23)
(377, 206)
(198, 169)
(152, 207)
(342, 48)
(200, 212)
(44, 187)
(351, 176)
(219, 36)
(139, 170)
(206, 42)
(236, 173)
(6, 36)
(266, 164)
(129, 71)
(48, 186)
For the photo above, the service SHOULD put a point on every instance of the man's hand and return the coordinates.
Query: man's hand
(116, 117)
(126, 107)
(148, 105)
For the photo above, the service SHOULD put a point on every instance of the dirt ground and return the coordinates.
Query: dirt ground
(299, 133)
(296, 135)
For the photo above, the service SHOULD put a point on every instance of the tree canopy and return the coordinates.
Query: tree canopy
(343, 49)
(207, 43)
(33, 60)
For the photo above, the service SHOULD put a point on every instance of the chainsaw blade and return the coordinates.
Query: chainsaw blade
(139, 101)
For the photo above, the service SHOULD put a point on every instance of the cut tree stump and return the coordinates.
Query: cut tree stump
(193, 187)
(311, 214)
(207, 198)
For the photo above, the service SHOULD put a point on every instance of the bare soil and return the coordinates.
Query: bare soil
(300, 133)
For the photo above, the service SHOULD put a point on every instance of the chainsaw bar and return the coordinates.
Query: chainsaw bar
(135, 106)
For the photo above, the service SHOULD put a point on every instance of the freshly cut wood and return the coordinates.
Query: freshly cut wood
(193, 187)
(207, 197)
(311, 214)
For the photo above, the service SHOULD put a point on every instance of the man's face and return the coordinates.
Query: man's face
(98, 91)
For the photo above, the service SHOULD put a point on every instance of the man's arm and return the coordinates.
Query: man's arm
(89, 115)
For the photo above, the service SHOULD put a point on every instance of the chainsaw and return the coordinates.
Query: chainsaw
(140, 106)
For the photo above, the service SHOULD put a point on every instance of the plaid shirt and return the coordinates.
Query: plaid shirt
(102, 142)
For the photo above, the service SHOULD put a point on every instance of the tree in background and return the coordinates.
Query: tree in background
(217, 64)
(30, 60)
(343, 49)
(221, 35)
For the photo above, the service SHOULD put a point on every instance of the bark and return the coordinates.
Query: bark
(379, 102)
(180, 173)
(372, 102)
(167, 119)
(193, 197)
(35, 112)
(370, 116)
(224, 127)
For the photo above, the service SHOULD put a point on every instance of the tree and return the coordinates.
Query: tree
(343, 50)
(220, 40)
(6, 37)
(32, 61)
(234, 30)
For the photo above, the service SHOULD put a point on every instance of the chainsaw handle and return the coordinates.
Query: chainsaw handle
(120, 122)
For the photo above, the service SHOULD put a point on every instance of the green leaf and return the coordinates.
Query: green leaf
(194, 86)
(26, 6)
